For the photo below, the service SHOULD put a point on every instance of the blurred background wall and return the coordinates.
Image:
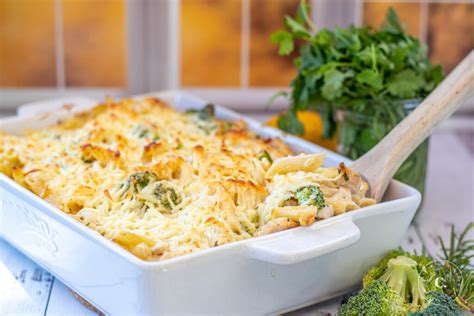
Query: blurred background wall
(87, 47)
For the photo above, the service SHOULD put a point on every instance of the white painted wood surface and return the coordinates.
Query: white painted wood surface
(26, 289)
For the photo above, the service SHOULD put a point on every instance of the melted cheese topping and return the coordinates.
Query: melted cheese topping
(161, 183)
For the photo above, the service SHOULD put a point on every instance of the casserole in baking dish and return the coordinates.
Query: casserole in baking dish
(163, 183)
(260, 275)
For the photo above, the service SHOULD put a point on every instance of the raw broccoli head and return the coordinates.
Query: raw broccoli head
(438, 304)
(401, 284)
(410, 276)
(376, 299)
(310, 195)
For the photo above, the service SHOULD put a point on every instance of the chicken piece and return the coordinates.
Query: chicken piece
(276, 225)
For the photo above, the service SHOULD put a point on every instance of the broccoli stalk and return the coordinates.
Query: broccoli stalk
(424, 267)
(410, 276)
(403, 277)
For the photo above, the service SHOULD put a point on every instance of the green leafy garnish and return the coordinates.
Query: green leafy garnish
(457, 269)
(266, 155)
(289, 122)
(141, 131)
(285, 40)
(356, 69)
(144, 132)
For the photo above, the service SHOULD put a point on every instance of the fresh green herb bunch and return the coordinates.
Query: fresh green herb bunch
(456, 269)
(356, 69)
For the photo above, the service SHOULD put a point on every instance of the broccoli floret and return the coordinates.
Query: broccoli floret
(206, 113)
(204, 118)
(376, 299)
(410, 276)
(310, 195)
(141, 179)
(167, 196)
(438, 304)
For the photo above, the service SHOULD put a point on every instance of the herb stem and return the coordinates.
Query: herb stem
(374, 61)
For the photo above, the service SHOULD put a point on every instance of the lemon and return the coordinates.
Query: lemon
(313, 129)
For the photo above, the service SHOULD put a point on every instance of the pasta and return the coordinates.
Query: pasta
(162, 183)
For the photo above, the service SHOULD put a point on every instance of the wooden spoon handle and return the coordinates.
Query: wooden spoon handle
(380, 164)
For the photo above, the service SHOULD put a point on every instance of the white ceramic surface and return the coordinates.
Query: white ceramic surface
(38, 107)
(263, 275)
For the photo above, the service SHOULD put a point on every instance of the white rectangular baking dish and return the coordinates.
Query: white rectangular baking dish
(265, 275)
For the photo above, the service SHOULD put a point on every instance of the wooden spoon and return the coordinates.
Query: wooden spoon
(380, 164)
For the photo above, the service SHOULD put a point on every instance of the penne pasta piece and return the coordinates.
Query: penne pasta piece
(18, 176)
(304, 215)
(128, 239)
(303, 162)
(142, 250)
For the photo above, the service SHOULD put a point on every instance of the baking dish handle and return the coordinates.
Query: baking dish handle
(306, 243)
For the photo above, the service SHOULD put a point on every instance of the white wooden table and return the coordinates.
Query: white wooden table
(27, 289)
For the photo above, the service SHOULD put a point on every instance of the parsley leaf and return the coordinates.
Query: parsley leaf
(405, 84)
(298, 30)
(285, 40)
(370, 78)
(392, 23)
(290, 123)
(332, 87)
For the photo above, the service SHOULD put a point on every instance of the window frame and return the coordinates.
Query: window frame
(247, 98)
(150, 23)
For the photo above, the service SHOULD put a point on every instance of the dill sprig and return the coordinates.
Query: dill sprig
(457, 268)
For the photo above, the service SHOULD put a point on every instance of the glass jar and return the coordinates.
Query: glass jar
(359, 132)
